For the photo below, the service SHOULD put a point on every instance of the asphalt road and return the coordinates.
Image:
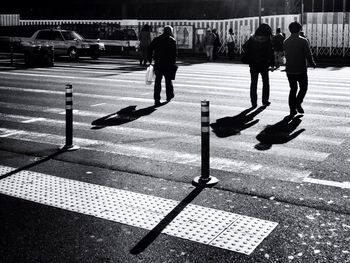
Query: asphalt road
(292, 172)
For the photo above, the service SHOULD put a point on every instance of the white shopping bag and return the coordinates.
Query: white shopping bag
(149, 75)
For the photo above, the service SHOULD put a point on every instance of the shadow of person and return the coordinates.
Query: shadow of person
(279, 133)
(122, 116)
(229, 126)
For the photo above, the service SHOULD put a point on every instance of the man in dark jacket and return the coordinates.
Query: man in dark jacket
(260, 53)
(163, 51)
(298, 53)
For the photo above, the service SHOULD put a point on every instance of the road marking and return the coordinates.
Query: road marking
(169, 156)
(33, 120)
(98, 104)
(204, 225)
(344, 185)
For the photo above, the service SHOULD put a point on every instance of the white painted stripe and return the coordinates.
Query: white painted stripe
(197, 223)
(98, 104)
(225, 164)
(344, 185)
(33, 120)
(150, 100)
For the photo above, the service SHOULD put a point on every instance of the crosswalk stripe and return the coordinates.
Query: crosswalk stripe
(183, 103)
(241, 145)
(224, 164)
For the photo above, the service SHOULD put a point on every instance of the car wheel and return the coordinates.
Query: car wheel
(95, 54)
(73, 54)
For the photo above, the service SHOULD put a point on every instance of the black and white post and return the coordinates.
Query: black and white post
(69, 120)
(205, 179)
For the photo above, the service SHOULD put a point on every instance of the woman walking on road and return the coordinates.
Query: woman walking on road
(145, 41)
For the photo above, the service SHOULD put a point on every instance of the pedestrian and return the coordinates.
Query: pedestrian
(145, 41)
(258, 49)
(217, 44)
(277, 45)
(209, 44)
(298, 53)
(230, 42)
(163, 51)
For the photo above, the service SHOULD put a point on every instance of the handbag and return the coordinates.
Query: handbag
(149, 75)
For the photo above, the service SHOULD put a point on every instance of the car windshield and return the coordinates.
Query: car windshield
(71, 35)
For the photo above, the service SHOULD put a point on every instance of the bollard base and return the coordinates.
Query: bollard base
(69, 147)
(211, 181)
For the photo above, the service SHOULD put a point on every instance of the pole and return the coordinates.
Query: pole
(69, 120)
(302, 13)
(205, 179)
(259, 12)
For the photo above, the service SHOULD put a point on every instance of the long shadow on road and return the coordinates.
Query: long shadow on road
(233, 125)
(279, 133)
(156, 231)
(123, 116)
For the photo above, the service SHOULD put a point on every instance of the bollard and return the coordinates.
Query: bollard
(205, 179)
(69, 120)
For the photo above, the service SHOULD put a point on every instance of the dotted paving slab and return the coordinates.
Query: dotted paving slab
(200, 224)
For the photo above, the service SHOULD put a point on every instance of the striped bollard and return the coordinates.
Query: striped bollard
(11, 52)
(69, 120)
(205, 179)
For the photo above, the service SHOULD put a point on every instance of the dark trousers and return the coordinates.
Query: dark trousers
(254, 74)
(296, 98)
(158, 85)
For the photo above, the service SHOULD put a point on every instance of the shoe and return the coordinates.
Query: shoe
(157, 103)
(300, 109)
(267, 103)
(293, 112)
(169, 99)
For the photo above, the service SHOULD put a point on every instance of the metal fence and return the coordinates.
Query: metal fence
(328, 33)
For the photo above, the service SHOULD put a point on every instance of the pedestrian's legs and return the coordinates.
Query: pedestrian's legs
(303, 83)
(253, 87)
(211, 50)
(157, 86)
(293, 84)
(266, 88)
(169, 88)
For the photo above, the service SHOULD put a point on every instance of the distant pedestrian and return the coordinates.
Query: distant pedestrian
(217, 44)
(163, 51)
(209, 44)
(298, 53)
(259, 51)
(145, 41)
(230, 42)
(277, 45)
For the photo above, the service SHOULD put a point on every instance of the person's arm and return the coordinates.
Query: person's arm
(308, 54)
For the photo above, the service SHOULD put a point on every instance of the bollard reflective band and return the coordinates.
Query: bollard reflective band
(205, 129)
(205, 119)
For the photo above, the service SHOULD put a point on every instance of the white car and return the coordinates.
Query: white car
(67, 42)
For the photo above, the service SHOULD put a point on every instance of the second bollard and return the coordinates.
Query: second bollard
(205, 179)
(69, 120)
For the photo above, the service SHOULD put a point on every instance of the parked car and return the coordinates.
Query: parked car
(66, 42)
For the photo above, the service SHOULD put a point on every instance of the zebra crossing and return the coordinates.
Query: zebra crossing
(32, 110)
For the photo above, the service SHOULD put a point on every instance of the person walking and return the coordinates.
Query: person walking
(217, 44)
(163, 51)
(209, 44)
(277, 45)
(145, 41)
(230, 42)
(297, 53)
(259, 50)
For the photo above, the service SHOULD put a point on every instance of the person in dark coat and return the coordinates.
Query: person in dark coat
(145, 41)
(163, 51)
(259, 50)
(217, 44)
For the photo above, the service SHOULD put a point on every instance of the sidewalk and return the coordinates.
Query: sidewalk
(33, 232)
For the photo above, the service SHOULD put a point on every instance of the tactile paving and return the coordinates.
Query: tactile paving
(200, 224)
